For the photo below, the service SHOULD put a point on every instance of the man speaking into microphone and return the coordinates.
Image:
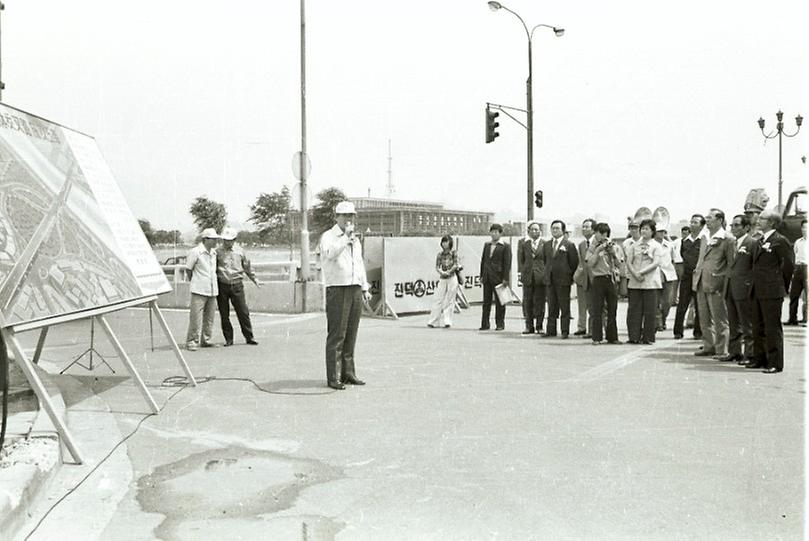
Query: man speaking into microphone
(346, 289)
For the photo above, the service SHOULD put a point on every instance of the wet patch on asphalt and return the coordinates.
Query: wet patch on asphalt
(233, 483)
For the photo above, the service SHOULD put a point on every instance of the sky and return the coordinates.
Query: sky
(638, 104)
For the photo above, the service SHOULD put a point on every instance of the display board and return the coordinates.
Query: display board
(410, 277)
(470, 250)
(68, 241)
(372, 259)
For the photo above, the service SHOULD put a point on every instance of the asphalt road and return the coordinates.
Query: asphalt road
(458, 434)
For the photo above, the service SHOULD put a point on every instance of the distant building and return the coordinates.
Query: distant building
(381, 216)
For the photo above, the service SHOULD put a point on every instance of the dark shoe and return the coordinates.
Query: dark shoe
(647, 342)
(431, 325)
(499, 328)
(447, 326)
(528, 331)
(771, 370)
(660, 328)
(597, 342)
(678, 336)
(689, 326)
(753, 365)
(579, 333)
(790, 322)
(632, 342)
(484, 328)
(209, 345)
(228, 343)
(540, 332)
(587, 336)
(704, 353)
(352, 380)
(564, 336)
(614, 342)
(252, 342)
(336, 385)
(729, 358)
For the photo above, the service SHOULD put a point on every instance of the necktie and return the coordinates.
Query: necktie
(555, 245)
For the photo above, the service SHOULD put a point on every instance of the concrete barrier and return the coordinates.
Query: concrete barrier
(273, 297)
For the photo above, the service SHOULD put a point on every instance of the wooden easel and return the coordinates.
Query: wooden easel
(28, 366)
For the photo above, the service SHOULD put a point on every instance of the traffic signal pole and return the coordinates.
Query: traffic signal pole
(529, 106)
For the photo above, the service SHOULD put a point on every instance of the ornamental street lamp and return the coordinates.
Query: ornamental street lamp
(779, 132)
(529, 106)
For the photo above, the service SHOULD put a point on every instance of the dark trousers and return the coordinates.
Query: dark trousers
(604, 293)
(642, 314)
(740, 323)
(499, 309)
(558, 307)
(233, 294)
(343, 311)
(768, 334)
(686, 295)
(797, 289)
(533, 302)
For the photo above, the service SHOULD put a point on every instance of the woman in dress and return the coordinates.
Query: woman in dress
(446, 264)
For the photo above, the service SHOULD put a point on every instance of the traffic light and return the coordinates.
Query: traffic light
(538, 199)
(491, 125)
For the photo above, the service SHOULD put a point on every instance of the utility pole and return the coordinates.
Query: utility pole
(2, 84)
(303, 167)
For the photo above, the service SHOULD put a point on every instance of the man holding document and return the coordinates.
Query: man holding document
(495, 269)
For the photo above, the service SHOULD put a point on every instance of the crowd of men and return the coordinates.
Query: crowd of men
(734, 278)
(735, 282)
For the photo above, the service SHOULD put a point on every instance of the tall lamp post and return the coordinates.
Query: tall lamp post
(529, 105)
(779, 132)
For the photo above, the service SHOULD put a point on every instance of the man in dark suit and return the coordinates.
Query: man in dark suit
(584, 297)
(531, 262)
(561, 260)
(772, 269)
(495, 269)
(740, 280)
(689, 251)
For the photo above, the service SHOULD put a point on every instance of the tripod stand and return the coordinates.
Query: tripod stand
(89, 352)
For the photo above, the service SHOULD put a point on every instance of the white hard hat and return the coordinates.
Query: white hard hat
(228, 233)
(209, 233)
(345, 207)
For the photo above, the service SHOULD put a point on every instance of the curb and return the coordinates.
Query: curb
(35, 458)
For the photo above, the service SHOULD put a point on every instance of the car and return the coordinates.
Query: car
(794, 214)
(174, 260)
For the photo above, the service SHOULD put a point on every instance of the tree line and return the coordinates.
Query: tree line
(271, 215)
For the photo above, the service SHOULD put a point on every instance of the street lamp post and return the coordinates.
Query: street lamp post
(780, 133)
(529, 101)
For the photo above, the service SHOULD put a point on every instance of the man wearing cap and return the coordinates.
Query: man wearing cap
(201, 265)
(346, 289)
(669, 274)
(231, 268)
(531, 262)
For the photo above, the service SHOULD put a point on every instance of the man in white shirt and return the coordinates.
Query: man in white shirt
(346, 289)
(670, 279)
(201, 265)
(797, 289)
